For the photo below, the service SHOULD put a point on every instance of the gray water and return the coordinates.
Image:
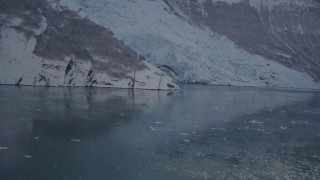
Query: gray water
(198, 132)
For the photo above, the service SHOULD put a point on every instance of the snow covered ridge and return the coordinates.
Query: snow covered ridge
(179, 37)
(45, 44)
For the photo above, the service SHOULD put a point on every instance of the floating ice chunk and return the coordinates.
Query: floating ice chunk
(255, 122)
(27, 156)
(36, 137)
(204, 174)
(215, 107)
(262, 130)
(282, 127)
(121, 114)
(158, 122)
(39, 109)
(152, 129)
(75, 140)
(187, 140)
(222, 129)
(200, 154)
(4, 148)
(184, 134)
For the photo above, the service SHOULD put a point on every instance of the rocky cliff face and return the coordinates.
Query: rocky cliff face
(44, 43)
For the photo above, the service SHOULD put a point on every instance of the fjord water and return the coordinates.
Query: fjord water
(198, 132)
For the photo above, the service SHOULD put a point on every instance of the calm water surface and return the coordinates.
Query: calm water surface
(198, 132)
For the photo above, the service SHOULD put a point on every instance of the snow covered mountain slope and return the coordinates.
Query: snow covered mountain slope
(43, 43)
(238, 42)
(286, 31)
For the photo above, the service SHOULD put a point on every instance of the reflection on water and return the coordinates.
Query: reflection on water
(198, 132)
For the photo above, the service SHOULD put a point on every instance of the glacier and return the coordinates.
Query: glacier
(182, 39)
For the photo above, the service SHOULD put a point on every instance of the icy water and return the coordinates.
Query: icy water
(198, 132)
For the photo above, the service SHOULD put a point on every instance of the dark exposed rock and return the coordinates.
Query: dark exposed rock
(68, 68)
(168, 70)
(90, 78)
(41, 79)
(170, 85)
(51, 66)
(19, 81)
